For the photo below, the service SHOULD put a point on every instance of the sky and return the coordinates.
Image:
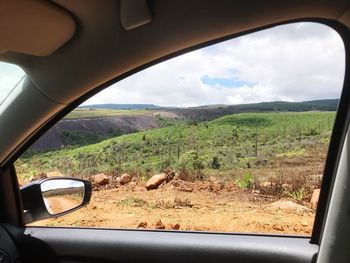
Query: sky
(60, 184)
(293, 62)
(10, 75)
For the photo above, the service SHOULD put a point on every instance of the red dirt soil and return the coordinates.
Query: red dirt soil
(180, 205)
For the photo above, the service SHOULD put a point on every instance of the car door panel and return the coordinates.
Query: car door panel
(38, 244)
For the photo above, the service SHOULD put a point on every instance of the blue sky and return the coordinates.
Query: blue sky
(225, 82)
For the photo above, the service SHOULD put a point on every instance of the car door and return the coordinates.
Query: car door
(21, 243)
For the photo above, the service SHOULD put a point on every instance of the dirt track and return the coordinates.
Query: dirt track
(199, 206)
(57, 205)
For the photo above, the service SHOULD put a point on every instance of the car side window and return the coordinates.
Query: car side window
(232, 137)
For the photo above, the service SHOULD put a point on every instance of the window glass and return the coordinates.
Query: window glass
(10, 75)
(231, 138)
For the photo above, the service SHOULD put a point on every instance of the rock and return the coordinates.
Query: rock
(278, 227)
(54, 174)
(160, 225)
(124, 179)
(100, 179)
(155, 181)
(170, 176)
(314, 198)
(142, 225)
(175, 227)
(288, 206)
(176, 176)
(304, 223)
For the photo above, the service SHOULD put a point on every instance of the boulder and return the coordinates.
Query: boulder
(100, 179)
(124, 179)
(314, 198)
(155, 181)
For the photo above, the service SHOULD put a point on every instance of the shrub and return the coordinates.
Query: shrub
(165, 164)
(298, 195)
(190, 164)
(246, 181)
(312, 132)
(215, 164)
(132, 201)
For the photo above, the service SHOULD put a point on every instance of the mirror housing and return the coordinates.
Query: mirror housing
(35, 196)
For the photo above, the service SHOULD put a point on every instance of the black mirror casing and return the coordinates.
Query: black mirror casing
(33, 202)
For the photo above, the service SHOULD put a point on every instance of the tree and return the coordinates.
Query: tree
(215, 164)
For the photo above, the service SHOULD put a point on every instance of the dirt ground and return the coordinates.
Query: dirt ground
(180, 205)
(61, 204)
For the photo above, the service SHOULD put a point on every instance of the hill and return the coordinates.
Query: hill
(210, 112)
(84, 126)
(229, 142)
(121, 106)
(321, 105)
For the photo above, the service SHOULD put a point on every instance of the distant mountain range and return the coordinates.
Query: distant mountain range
(321, 105)
(111, 106)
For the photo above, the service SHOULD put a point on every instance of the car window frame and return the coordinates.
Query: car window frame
(335, 146)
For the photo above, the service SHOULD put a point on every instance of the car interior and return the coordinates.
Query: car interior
(71, 50)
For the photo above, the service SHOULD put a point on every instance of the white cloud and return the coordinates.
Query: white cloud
(294, 62)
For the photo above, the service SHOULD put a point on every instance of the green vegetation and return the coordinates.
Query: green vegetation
(246, 181)
(79, 138)
(238, 141)
(298, 195)
(75, 138)
(132, 201)
(190, 165)
(320, 105)
(80, 113)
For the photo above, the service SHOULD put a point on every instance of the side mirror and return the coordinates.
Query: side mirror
(54, 197)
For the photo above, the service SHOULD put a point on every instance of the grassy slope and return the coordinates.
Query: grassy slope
(232, 139)
(95, 113)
